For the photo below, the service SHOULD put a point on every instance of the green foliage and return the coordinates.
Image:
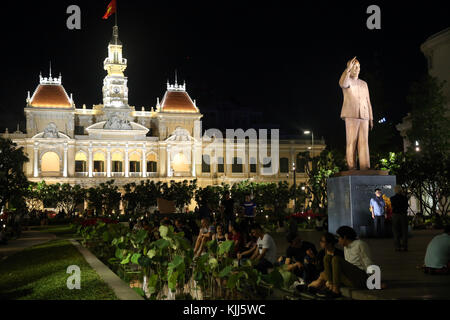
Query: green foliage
(104, 198)
(139, 197)
(318, 170)
(13, 183)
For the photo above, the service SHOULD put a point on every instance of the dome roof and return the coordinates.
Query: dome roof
(50, 94)
(177, 99)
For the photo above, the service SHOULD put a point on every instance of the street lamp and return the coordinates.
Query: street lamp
(312, 141)
(295, 188)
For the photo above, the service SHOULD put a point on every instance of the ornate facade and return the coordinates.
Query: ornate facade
(113, 140)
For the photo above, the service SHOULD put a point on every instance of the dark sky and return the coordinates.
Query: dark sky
(281, 57)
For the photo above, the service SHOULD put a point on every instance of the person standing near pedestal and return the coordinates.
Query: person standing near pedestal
(357, 114)
(400, 219)
(377, 206)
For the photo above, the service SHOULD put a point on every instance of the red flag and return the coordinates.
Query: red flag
(110, 9)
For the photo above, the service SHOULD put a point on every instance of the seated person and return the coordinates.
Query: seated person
(327, 245)
(220, 236)
(236, 236)
(206, 233)
(180, 227)
(351, 271)
(437, 256)
(296, 258)
(263, 254)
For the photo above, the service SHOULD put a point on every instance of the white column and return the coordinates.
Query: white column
(193, 160)
(65, 161)
(36, 161)
(108, 162)
(144, 163)
(127, 163)
(91, 162)
(169, 171)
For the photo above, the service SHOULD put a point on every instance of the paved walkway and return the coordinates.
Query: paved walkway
(398, 269)
(28, 239)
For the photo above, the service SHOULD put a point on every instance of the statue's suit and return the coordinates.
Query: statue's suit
(357, 112)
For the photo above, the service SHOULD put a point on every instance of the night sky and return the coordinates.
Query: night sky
(281, 58)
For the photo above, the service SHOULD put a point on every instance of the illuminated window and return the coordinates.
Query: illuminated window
(50, 162)
(80, 162)
(99, 162)
(151, 163)
(180, 163)
(135, 162)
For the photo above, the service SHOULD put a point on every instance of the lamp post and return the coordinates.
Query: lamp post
(295, 187)
(312, 141)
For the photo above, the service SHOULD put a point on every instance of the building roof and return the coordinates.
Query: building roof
(176, 99)
(50, 94)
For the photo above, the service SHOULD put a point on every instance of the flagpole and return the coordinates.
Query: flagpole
(117, 12)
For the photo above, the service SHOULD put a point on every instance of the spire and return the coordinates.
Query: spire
(50, 73)
(115, 38)
(176, 83)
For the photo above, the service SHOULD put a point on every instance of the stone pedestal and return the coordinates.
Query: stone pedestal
(349, 198)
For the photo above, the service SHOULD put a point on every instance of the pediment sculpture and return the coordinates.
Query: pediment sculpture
(117, 123)
(51, 131)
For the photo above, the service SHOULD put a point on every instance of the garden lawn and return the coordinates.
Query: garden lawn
(39, 273)
(64, 231)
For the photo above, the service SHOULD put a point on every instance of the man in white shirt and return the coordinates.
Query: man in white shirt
(351, 271)
(264, 253)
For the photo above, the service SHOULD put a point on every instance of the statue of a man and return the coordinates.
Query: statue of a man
(357, 114)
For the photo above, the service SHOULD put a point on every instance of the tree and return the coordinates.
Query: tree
(140, 197)
(33, 197)
(70, 197)
(104, 198)
(426, 170)
(318, 170)
(13, 182)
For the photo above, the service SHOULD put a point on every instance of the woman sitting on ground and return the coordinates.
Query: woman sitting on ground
(206, 233)
(349, 272)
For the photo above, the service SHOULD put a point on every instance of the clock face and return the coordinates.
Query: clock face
(116, 90)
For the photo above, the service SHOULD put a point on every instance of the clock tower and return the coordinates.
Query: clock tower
(115, 90)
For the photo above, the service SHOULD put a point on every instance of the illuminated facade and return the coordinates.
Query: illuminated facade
(113, 140)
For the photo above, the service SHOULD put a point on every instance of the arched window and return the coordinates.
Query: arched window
(267, 166)
(206, 163)
(135, 162)
(151, 163)
(180, 163)
(252, 164)
(99, 162)
(236, 167)
(284, 165)
(50, 162)
(80, 162)
(220, 165)
(301, 164)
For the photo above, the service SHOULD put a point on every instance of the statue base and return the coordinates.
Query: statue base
(368, 172)
(349, 197)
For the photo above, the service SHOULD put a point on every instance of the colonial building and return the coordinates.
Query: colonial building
(113, 140)
(436, 50)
